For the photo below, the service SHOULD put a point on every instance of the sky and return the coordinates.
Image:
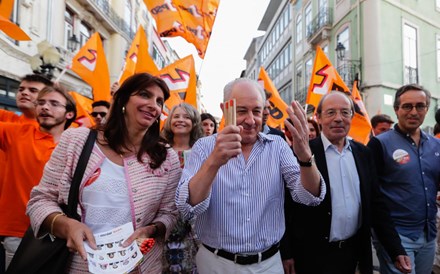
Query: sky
(234, 28)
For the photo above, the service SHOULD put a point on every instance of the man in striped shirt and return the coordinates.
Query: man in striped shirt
(233, 186)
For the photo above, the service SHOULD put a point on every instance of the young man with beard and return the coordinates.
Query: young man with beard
(27, 148)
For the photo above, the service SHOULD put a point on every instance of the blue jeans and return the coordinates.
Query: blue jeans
(420, 251)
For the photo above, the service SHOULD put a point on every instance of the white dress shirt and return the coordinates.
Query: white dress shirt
(344, 190)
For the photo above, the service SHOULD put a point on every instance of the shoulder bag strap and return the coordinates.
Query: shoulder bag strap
(72, 205)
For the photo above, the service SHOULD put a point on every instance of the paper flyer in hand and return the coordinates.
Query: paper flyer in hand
(111, 257)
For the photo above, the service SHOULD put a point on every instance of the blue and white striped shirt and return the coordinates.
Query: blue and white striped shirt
(244, 211)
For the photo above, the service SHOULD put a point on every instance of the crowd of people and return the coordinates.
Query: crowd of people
(246, 199)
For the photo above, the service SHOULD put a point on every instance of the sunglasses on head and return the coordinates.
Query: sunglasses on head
(95, 114)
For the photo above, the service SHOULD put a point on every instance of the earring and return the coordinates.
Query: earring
(123, 109)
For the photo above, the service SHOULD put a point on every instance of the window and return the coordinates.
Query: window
(298, 29)
(308, 71)
(8, 91)
(308, 17)
(410, 54)
(84, 33)
(68, 26)
(158, 58)
(343, 38)
(438, 56)
(437, 4)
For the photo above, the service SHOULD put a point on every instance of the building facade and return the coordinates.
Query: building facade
(57, 22)
(274, 50)
(386, 44)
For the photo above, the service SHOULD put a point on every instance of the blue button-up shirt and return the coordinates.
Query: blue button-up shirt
(244, 211)
(409, 176)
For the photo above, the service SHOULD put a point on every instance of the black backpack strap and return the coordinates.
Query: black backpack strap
(72, 204)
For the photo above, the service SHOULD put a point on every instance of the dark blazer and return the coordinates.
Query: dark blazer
(308, 228)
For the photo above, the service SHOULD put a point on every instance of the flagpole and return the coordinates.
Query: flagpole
(61, 74)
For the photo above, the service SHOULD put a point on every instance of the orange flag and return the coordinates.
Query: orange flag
(6, 7)
(360, 125)
(325, 78)
(12, 30)
(138, 60)
(91, 65)
(83, 108)
(181, 79)
(277, 106)
(190, 19)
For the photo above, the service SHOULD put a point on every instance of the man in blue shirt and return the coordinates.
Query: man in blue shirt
(234, 185)
(408, 165)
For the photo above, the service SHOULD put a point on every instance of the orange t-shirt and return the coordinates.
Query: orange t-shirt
(11, 117)
(437, 135)
(26, 150)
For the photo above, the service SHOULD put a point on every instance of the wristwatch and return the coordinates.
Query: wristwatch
(308, 163)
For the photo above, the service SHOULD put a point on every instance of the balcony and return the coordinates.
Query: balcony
(301, 95)
(320, 27)
(108, 16)
(349, 71)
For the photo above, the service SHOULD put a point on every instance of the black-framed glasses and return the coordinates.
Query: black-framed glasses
(330, 113)
(420, 107)
(96, 113)
(51, 103)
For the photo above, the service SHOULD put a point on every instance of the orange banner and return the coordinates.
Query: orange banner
(83, 109)
(138, 60)
(90, 64)
(277, 107)
(12, 30)
(180, 78)
(192, 20)
(325, 78)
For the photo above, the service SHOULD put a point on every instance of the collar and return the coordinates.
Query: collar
(328, 144)
(41, 135)
(264, 137)
(423, 135)
(266, 129)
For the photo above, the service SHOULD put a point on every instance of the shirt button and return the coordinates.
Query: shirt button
(423, 173)
(329, 213)
(138, 220)
(248, 219)
(426, 188)
(428, 204)
(135, 190)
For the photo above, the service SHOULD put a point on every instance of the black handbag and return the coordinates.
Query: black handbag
(44, 255)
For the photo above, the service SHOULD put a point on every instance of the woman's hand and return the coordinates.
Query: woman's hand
(75, 234)
(149, 231)
(73, 231)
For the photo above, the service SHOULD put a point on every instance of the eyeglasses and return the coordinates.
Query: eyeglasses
(420, 107)
(330, 113)
(95, 114)
(51, 103)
